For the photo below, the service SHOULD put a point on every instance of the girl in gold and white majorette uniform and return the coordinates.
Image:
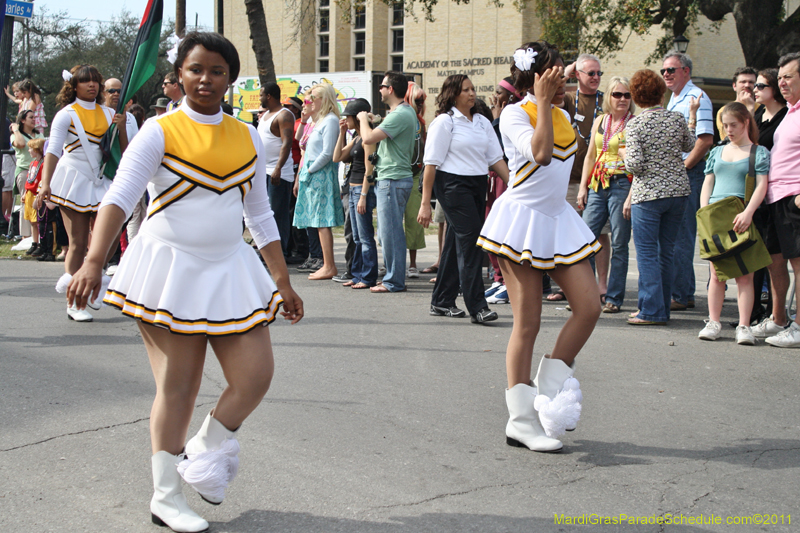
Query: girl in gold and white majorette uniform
(71, 176)
(189, 277)
(532, 229)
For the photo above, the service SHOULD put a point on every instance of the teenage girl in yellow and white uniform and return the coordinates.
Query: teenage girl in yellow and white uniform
(191, 280)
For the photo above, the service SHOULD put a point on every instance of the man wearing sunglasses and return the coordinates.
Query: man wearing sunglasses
(172, 90)
(126, 123)
(584, 105)
(677, 73)
(744, 81)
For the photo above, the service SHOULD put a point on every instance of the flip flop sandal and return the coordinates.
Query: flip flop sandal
(359, 285)
(611, 308)
(430, 270)
(556, 296)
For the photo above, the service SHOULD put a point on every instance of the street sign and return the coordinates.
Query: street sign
(18, 9)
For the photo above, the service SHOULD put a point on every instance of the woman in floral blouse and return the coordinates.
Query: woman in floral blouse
(656, 140)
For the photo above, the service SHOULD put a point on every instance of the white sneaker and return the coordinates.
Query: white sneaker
(767, 328)
(744, 336)
(788, 338)
(496, 286)
(499, 297)
(412, 272)
(711, 332)
(79, 315)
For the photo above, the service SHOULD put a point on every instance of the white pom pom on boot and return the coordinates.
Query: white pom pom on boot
(63, 283)
(523, 428)
(168, 506)
(558, 399)
(212, 460)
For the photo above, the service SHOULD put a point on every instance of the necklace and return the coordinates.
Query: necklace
(597, 96)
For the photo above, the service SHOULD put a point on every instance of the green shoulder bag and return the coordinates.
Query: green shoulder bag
(718, 240)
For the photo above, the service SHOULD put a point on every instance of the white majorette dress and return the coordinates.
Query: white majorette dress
(76, 181)
(188, 269)
(532, 220)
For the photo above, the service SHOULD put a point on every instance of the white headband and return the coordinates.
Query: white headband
(523, 59)
(66, 75)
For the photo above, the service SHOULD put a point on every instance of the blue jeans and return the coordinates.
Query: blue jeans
(365, 256)
(683, 283)
(392, 198)
(280, 199)
(654, 224)
(603, 205)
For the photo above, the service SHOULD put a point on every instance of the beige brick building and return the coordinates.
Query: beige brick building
(476, 39)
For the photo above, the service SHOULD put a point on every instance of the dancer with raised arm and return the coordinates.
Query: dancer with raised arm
(533, 229)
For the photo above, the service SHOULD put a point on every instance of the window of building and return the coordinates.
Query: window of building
(397, 41)
(359, 15)
(323, 65)
(397, 63)
(324, 45)
(359, 63)
(398, 13)
(360, 40)
(324, 20)
(324, 3)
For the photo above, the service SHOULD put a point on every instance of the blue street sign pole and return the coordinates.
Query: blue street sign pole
(6, 40)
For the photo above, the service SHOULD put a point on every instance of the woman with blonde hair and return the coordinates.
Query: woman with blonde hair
(318, 202)
(415, 233)
(605, 185)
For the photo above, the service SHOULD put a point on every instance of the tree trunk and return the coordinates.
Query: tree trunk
(763, 37)
(260, 38)
(180, 18)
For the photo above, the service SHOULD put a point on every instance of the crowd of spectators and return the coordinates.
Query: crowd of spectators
(639, 171)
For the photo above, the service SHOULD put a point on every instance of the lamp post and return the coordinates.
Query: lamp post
(680, 43)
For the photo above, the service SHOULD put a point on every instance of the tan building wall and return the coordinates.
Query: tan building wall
(454, 44)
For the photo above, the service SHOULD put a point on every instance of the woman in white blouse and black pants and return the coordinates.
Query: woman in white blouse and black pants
(460, 149)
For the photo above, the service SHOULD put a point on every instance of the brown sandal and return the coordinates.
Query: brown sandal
(610, 308)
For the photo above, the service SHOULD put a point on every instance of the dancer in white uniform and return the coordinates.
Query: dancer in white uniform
(71, 174)
(190, 279)
(532, 229)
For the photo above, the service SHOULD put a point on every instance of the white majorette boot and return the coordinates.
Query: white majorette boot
(211, 460)
(523, 429)
(558, 396)
(168, 506)
(78, 315)
(97, 304)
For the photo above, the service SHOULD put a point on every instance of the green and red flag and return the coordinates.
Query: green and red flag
(141, 65)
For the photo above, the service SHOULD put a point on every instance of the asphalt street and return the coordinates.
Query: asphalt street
(382, 419)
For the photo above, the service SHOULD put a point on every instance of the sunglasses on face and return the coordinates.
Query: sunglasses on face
(670, 70)
(760, 86)
(113, 91)
(384, 86)
(626, 96)
(167, 83)
(592, 73)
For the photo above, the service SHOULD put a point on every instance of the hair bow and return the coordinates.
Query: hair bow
(66, 75)
(523, 59)
(172, 53)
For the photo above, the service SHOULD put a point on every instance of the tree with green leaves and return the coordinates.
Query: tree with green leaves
(603, 27)
(49, 43)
